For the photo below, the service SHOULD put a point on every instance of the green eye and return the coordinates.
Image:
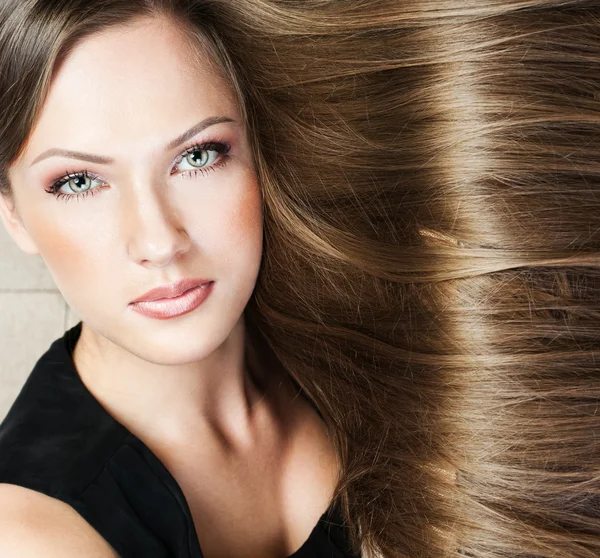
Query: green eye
(79, 183)
(197, 160)
(202, 157)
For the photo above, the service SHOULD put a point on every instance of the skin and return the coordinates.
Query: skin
(181, 385)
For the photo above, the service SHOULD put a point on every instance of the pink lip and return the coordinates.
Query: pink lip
(165, 308)
(171, 291)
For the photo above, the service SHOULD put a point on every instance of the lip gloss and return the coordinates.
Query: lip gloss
(165, 308)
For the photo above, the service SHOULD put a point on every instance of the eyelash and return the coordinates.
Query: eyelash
(221, 148)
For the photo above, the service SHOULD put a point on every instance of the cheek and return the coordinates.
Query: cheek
(73, 255)
(246, 219)
(229, 229)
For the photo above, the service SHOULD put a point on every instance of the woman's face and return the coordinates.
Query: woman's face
(150, 209)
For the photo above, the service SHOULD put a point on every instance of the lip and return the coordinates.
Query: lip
(171, 291)
(164, 308)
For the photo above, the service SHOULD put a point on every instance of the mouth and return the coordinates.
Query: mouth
(172, 306)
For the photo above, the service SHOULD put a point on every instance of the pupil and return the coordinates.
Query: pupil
(79, 182)
(197, 156)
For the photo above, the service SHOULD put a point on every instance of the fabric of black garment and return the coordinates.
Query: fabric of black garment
(58, 440)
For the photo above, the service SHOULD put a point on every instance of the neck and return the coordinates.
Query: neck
(218, 398)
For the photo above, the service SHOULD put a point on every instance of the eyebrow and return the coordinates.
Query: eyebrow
(196, 129)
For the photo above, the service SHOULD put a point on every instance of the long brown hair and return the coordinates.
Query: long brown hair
(430, 278)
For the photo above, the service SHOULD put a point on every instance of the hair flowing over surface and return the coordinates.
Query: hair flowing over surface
(430, 278)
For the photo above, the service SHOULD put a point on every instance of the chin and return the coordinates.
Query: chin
(192, 342)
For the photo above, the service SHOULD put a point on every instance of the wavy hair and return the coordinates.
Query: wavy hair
(431, 185)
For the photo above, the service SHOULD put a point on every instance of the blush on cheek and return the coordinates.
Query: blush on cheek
(251, 212)
(248, 219)
(68, 257)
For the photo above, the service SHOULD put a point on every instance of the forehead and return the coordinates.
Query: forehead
(130, 85)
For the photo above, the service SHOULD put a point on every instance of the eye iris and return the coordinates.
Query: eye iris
(79, 184)
(197, 160)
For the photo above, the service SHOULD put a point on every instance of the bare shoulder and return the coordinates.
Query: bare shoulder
(33, 524)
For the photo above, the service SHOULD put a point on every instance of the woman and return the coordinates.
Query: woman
(160, 269)
(419, 327)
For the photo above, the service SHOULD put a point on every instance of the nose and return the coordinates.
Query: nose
(155, 232)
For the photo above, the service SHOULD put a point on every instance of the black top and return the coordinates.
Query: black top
(57, 439)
